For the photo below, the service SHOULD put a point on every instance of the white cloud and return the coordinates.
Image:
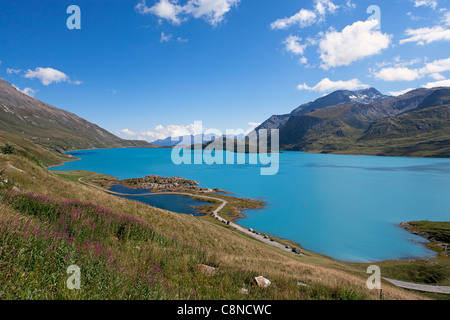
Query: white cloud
(164, 9)
(436, 66)
(446, 19)
(402, 63)
(160, 132)
(28, 91)
(254, 125)
(426, 3)
(166, 38)
(327, 85)
(11, 71)
(293, 45)
(398, 74)
(303, 60)
(399, 93)
(47, 76)
(442, 83)
(397, 62)
(76, 82)
(437, 76)
(128, 132)
(429, 85)
(325, 6)
(170, 37)
(212, 11)
(355, 42)
(304, 18)
(427, 35)
(413, 17)
(350, 4)
(432, 69)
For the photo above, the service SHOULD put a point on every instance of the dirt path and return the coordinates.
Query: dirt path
(419, 287)
(215, 213)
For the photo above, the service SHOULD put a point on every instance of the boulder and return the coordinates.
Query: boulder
(262, 282)
(243, 291)
(207, 269)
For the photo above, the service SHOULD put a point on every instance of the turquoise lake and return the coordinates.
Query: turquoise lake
(345, 207)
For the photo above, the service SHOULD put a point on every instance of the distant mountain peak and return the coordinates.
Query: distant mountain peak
(363, 96)
(370, 90)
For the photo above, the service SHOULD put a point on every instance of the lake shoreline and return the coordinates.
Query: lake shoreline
(289, 242)
(337, 164)
(202, 210)
(285, 245)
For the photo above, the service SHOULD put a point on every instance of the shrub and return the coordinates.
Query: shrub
(9, 148)
(30, 157)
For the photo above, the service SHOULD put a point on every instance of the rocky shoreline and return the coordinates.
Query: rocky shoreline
(414, 230)
(408, 227)
(160, 184)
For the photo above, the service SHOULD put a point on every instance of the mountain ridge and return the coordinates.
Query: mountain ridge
(420, 119)
(51, 127)
(335, 98)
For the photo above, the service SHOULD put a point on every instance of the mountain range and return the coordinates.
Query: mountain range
(343, 122)
(368, 122)
(191, 139)
(335, 98)
(174, 141)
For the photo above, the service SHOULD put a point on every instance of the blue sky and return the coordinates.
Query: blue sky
(144, 69)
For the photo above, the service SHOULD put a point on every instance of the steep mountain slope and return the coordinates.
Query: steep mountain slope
(422, 131)
(438, 98)
(274, 122)
(51, 127)
(332, 99)
(361, 115)
(339, 97)
(421, 128)
(411, 123)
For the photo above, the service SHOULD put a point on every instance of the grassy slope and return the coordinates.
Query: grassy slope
(425, 132)
(199, 240)
(47, 157)
(438, 230)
